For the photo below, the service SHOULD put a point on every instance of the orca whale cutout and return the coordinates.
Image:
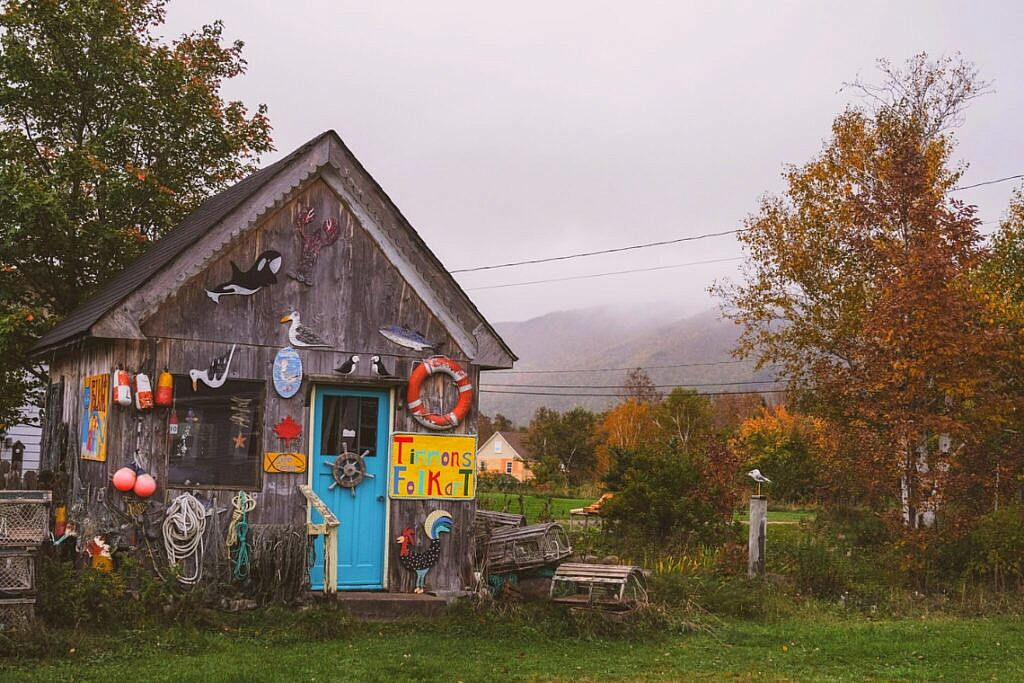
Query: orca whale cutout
(246, 283)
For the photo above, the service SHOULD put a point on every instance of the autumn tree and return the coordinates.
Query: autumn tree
(640, 387)
(856, 285)
(563, 442)
(625, 428)
(684, 416)
(108, 138)
(784, 445)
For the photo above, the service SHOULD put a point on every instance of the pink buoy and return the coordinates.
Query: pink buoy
(145, 485)
(124, 479)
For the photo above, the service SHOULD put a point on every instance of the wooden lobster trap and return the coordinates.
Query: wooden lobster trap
(17, 572)
(610, 587)
(24, 517)
(526, 547)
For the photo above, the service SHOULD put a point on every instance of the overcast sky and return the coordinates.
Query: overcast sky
(509, 131)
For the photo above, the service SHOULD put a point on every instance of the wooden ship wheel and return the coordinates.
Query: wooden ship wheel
(348, 469)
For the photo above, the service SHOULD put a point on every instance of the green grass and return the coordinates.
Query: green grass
(785, 516)
(811, 648)
(533, 504)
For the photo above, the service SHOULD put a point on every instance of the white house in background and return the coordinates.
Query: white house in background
(30, 435)
(505, 453)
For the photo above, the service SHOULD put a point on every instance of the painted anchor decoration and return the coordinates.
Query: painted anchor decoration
(312, 242)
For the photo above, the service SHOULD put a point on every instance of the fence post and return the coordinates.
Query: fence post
(755, 543)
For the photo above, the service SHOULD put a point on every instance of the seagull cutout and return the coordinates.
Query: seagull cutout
(300, 335)
(216, 374)
(378, 367)
(349, 366)
(756, 475)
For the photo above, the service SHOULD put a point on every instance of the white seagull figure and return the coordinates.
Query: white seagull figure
(756, 475)
(300, 335)
(216, 374)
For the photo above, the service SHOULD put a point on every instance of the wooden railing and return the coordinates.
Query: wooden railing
(329, 530)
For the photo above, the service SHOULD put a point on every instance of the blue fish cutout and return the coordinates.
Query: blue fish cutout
(406, 338)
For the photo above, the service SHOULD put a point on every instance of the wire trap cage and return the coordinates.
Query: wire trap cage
(24, 517)
(17, 572)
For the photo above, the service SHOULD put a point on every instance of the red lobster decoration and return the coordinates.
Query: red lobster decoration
(312, 242)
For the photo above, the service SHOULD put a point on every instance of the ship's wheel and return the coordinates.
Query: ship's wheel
(348, 469)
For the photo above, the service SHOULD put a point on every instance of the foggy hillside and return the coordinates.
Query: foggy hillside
(595, 338)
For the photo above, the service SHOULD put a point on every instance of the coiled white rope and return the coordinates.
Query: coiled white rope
(183, 536)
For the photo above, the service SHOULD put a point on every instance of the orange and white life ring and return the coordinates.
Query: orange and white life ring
(445, 366)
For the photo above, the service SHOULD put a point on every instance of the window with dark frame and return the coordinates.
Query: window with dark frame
(219, 434)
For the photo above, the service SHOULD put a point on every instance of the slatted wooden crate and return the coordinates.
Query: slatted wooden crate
(17, 571)
(486, 523)
(24, 517)
(17, 614)
(527, 547)
(607, 586)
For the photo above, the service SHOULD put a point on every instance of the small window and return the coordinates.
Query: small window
(508, 467)
(497, 445)
(219, 435)
(483, 466)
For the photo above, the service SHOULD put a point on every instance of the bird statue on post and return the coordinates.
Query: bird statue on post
(756, 475)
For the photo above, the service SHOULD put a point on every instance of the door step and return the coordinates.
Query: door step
(379, 606)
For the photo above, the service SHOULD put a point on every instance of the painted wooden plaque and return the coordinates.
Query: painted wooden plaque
(434, 466)
(287, 372)
(284, 463)
(95, 401)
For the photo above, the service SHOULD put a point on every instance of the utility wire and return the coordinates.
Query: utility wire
(500, 373)
(614, 272)
(688, 385)
(988, 182)
(576, 394)
(631, 247)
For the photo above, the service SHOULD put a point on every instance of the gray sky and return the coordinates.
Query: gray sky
(519, 130)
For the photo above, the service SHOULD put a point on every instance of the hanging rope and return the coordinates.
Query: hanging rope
(238, 533)
(183, 536)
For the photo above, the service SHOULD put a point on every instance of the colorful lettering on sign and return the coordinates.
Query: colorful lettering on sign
(439, 466)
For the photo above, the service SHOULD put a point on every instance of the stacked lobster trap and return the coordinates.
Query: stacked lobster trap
(24, 525)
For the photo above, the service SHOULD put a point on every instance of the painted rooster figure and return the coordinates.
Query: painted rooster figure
(312, 242)
(437, 523)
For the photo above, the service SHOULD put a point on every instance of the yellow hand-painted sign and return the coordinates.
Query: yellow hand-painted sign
(432, 466)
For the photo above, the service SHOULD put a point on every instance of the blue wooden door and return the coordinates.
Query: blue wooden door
(359, 420)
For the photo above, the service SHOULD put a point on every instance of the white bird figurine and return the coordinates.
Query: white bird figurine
(378, 367)
(300, 335)
(216, 374)
(349, 366)
(756, 475)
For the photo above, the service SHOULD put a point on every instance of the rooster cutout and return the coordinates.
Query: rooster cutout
(313, 240)
(436, 523)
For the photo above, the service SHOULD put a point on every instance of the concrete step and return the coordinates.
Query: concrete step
(379, 606)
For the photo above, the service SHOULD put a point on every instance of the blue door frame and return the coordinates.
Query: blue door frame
(360, 419)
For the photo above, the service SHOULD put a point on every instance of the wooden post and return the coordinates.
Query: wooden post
(755, 543)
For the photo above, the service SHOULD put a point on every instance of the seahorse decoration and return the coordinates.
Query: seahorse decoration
(312, 242)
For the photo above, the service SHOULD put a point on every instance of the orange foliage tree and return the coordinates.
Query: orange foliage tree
(857, 288)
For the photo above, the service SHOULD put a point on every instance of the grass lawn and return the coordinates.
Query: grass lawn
(532, 504)
(790, 649)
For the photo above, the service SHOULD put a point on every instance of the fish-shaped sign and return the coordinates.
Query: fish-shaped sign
(261, 274)
(406, 338)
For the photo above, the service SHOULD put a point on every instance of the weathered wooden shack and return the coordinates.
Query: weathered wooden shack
(307, 254)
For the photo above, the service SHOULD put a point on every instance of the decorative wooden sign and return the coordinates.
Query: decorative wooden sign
(248, 282)
(313, 240)
(95, 401)
(287, 372)
(214, 376)
(287, 430)
(284, 463)
(432, 466)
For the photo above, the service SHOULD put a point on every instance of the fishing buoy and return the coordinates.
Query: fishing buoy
(172, 423)
(143, 392)
(145, 486)
(165, 389)
(122, 388)
(124, 479)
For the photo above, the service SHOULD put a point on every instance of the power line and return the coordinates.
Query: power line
(632, 367)
(619, 386)
(605, 274)
(989, 182)
(699, 393)
(646, 245)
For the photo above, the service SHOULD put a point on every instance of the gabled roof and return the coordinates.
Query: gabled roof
(205, 219)
(516, 440)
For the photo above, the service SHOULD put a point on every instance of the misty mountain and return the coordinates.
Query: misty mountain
(593, 340)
